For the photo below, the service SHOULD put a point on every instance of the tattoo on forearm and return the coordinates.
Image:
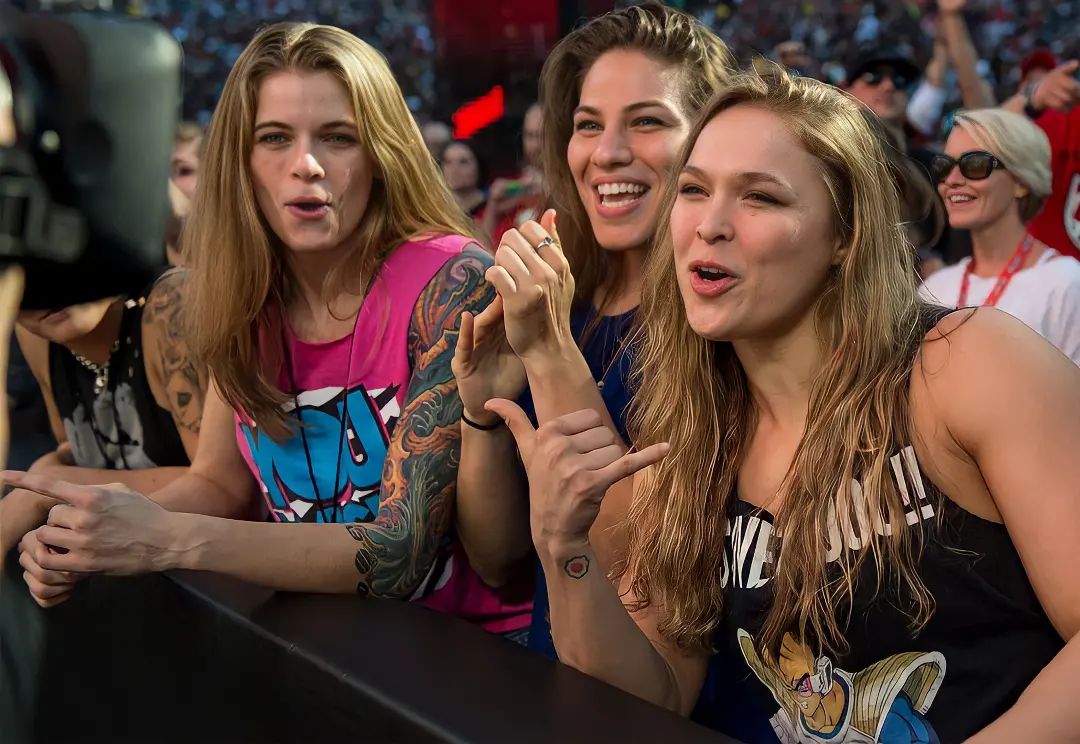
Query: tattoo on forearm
(577, 566)
(183, 381)
(420, 473)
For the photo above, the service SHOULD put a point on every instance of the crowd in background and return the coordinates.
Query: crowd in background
(1004, 31)
(213, 33)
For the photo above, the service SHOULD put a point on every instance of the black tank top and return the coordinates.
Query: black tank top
(122, 427)
(985, 642)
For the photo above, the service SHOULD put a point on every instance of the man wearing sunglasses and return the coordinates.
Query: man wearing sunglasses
(891, 86)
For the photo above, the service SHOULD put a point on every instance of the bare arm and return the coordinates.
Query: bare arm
(177, 382)
(572, 463)
(1025, 453)
(492, 495)
(973, 89)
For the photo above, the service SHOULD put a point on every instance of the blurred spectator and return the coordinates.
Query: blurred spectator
(994, 178)
(187, 151)
(515, 201)
(792, 55)
(437, 136)
(1035, 66)
(214, 32)
(466, 175)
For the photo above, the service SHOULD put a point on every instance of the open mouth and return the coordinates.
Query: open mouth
(803, 688)
(711, 274)
(622, 194)
(960, 198)
(308, 208)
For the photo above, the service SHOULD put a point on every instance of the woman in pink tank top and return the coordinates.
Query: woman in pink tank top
(330, 267)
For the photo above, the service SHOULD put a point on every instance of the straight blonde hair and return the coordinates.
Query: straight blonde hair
(241, 280)
(693, 393)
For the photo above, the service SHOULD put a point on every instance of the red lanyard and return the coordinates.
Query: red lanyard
(1006, 275)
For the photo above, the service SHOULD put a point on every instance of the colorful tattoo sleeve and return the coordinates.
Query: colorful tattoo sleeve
(397, 549)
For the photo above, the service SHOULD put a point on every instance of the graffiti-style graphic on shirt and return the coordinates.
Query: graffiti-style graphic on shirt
(112, 435)
(330, 466)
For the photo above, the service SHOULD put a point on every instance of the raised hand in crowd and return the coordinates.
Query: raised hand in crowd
(533, 278)
(571, 462)
(484, 364)
(1058, 90)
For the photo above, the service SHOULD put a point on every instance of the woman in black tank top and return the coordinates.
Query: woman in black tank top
(855, 517)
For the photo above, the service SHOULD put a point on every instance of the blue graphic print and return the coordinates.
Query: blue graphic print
(299, 493)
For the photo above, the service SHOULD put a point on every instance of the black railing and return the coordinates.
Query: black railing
(200, 658)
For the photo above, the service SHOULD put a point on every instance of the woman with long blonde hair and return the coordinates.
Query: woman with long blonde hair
(618, 96)
(330, 268)
(865, 506)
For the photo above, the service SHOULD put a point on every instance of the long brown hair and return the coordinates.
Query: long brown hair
(239, 266)
(694, 394)
(660, 32)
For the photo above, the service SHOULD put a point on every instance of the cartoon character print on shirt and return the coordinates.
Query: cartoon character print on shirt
(886, 702)
(112, 436)
(296, 492)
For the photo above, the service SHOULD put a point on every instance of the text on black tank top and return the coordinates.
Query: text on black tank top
(987, 639)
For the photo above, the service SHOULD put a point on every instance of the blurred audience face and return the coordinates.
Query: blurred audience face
(436, 136)
(459, 167)
(185, 165)
(751, 228)
(884, 91)
(530, 135)
(628, 129)
(312, 175)
(67, 324)
(792, 55)
(973, 204)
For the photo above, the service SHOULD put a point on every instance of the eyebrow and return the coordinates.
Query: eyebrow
(745, 177)
(336, 124)
(628, 109)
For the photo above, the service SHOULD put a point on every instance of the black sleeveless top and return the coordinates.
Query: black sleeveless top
(122, 427)
(987, 639)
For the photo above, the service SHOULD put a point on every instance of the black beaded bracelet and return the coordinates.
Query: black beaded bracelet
(482, 427)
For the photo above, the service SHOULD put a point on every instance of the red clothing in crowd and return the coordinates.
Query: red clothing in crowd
(1058, 224)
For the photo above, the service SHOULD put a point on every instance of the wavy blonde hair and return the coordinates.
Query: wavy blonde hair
(239, 267)
(662, 33)
(871, 323)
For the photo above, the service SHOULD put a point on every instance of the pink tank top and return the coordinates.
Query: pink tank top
(330, 471)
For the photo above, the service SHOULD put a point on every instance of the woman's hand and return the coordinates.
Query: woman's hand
(94, 529)
(484, 364)
(533, 278)
(571, 462)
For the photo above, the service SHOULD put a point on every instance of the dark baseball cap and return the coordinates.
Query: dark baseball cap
(868, 59)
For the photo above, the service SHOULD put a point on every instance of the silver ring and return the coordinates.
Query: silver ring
(544, 243)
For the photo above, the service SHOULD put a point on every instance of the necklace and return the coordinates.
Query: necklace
(614, 358)
(100, 371)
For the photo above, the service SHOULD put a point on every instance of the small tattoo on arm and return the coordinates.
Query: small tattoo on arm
(577, 566)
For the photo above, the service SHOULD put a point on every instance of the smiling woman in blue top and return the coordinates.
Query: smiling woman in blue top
(618, 95)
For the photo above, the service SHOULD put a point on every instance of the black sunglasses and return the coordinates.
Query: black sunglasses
(876, 76)
(974, 166)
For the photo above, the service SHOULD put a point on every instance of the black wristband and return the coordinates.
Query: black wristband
(482, 427)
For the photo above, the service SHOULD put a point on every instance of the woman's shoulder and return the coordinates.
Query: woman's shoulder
(437, 243)
(969, 349)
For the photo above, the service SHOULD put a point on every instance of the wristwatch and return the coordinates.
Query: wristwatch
(1029, 94)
